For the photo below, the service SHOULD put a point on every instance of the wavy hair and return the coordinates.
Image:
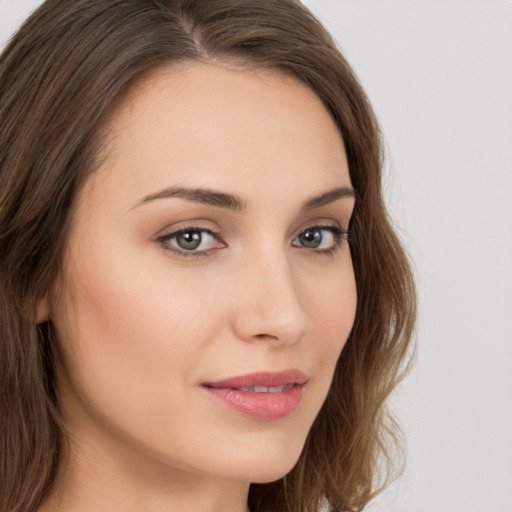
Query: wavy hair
(60, 76)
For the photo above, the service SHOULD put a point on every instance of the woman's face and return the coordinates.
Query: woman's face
(210, 245)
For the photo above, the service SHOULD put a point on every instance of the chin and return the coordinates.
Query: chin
(266, 464)
(271, 474)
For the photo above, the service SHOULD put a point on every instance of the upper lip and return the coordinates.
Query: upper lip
(264, 379)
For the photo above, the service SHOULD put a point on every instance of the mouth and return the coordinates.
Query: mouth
(265, 389)
(262, 382)
(263, 395)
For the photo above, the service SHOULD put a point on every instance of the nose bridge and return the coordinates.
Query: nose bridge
(270, 305)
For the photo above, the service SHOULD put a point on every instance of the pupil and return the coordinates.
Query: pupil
(189, 240)
(311, 238)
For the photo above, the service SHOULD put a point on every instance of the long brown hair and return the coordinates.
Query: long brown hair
(60, 76)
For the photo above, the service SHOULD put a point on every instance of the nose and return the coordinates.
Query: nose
(270, 302)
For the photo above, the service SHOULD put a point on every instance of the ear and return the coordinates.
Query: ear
(43, 311)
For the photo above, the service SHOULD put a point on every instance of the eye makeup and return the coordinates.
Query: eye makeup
(315, 239)
(194, 240)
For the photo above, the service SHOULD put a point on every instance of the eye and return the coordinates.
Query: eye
(320, 238)
(191, 240)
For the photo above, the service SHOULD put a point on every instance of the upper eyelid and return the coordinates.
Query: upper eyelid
(198, 226)
(327, 227)
(322, 224)
(192, 226)
(217, 232)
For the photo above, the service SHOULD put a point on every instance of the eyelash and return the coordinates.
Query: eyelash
(338, 233)
(182, 253)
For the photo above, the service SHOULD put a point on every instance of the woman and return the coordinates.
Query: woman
(204, 306)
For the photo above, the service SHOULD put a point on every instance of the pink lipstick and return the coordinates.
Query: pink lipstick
(263, 395)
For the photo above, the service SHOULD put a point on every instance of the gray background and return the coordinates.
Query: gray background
(440, 76)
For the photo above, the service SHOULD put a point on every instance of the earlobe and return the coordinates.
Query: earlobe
(43, 311)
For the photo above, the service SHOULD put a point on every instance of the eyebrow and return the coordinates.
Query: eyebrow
(328, 197)
(198, 195)
(236, 203)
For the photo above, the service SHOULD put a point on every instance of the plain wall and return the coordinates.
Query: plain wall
(439, 74)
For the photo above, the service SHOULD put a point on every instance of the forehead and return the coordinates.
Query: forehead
(222, 127)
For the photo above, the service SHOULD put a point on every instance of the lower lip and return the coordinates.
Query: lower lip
(263, 406)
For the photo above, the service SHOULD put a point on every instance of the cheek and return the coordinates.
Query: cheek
(331, 302)
(133, 293)
(333, 308)
(129, 330)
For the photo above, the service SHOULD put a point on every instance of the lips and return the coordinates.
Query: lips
(263, 395)
(261, 379)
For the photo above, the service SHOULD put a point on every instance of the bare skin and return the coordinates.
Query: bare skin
(162, 292)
